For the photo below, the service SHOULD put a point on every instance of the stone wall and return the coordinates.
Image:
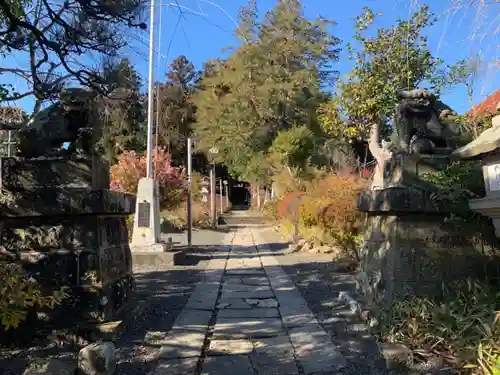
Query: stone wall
(59, 221)
(411, 252)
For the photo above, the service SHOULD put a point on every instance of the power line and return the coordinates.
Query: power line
(182, 26)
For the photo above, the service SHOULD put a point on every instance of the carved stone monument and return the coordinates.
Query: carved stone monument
(60, 221)
(410, 245)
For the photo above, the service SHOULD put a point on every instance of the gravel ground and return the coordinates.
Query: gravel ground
(165, 288)
(316, 278)
(168, 288)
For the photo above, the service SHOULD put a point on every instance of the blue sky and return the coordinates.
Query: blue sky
(459, 33)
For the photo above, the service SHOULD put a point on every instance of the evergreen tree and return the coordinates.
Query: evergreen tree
(397, 58)
(175, 107)
(122, 111)
(272, 81)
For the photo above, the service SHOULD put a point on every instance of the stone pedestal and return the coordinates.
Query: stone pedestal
(61, 223)
(146, 234)
(411, 247)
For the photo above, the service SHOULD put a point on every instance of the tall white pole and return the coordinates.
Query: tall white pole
(190, 191)
(155, 172)
(149, 152)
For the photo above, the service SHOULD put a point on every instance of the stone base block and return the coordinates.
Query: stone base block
(159, 247)
(157, 258)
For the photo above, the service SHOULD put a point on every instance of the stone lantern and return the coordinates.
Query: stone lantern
(487, 149)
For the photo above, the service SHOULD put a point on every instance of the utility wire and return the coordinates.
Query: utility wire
(166, 68)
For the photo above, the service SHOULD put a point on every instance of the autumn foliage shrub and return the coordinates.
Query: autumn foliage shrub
(286, 207)
(130, 168)
(19, 293)
(337, 207)
(327, 212)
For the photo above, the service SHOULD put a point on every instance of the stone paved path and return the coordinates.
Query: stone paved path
(246, 317)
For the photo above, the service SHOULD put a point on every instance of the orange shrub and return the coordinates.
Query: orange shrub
(338, 211)
(288, 204)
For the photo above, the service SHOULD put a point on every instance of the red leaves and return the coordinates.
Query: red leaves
(125, 175)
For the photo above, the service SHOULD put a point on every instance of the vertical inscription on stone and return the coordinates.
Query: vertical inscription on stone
(494, 176)
(143, 215)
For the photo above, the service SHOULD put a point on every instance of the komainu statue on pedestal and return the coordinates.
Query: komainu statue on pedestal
(73, 120)
(423, 124)
(423, 127)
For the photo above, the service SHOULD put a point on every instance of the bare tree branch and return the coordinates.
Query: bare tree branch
(56, 36)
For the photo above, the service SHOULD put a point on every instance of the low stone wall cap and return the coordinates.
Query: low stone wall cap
(487, 142)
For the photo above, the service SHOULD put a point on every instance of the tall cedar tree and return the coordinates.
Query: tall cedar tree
(175, 107)
(122, 111)
(270, 82)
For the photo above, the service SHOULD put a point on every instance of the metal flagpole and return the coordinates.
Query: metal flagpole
(149, 152)
(155, 172)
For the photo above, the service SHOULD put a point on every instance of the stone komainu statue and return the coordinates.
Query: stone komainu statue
(73, 120)
(423, 124)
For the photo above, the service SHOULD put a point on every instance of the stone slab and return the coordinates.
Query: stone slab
(315, 350)
(193, 320)
(208, 289)
(177, 366)
(248, 313)
(312, 345)
(245, 272)
(262, 303)
(227, 365)
(248, 294)
(200, 304)
(274, 355)
(182, 344)
(255, 280)
(243, 265)
(200, 300)
(251, 327)
(228, 288)
(28, 174)
(157, 258)
(230, 347)
(55, 201)
(233, 303)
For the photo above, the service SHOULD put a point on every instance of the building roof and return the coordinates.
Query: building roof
(488, 105)
(11, 117)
